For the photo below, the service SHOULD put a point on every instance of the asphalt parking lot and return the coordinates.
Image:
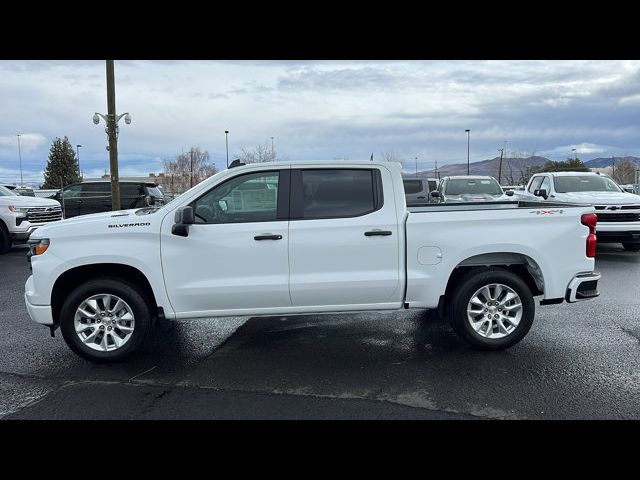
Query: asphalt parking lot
(579, 361)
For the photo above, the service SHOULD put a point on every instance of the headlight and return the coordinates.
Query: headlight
(18, 210)
(37, 246)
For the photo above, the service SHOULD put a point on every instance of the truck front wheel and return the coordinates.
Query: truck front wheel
(492, 309)
(5, 239)
(104, 320)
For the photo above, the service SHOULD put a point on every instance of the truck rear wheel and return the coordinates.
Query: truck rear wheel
(493, 309)
(104, 320)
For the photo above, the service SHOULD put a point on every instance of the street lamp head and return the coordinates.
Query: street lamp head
(78, 146)
(96, 119)
(127, 119)
(226, 131)
(467, 130)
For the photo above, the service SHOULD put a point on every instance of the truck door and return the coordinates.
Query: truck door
(236, 254)
(343, 237)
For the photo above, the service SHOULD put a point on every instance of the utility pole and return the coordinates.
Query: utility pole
(113, 140)
(416, 166)
(78, 155)
(468, 140)
(20, 157)
(272, 150)
(613, 166)
(500, 167)
(191, 169)
(435, 170)
(226, 140)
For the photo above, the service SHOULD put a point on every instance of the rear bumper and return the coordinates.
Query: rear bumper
(583, 287)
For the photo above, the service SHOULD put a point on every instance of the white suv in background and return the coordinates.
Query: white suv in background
(618, 211)
(21, 215)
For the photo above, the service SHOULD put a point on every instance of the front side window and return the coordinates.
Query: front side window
(73, 191)
(585, 183)
(335, 193)
(546, 185)
(535, 184)
(246, 198)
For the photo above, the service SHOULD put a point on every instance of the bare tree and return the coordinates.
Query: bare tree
(259, 154)
(391, 156)
(624, 171)
(186, 170)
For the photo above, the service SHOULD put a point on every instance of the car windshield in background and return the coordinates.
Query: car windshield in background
(155, 192)
(462, 186)
(412, 186)
(27, 192)
(585, 183)
(5, 192)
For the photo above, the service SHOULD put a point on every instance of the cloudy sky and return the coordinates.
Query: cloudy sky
(319, 110)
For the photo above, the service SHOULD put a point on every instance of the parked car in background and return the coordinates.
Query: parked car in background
(21, 215)
(618, 211)
(95, 197)
(470, 188)
(416, 190)
(27, 192)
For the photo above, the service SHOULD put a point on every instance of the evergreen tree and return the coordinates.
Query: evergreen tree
(62, 166)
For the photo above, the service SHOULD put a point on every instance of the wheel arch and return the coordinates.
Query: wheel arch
(520, 264)
(70, 279)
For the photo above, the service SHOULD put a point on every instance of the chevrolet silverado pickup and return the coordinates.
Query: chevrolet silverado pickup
(618, 211)
(307, 237)
(21, 215)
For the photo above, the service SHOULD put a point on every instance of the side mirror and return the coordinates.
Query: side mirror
(183, 218)
(509, 193)
(435, 194)
(540, 193)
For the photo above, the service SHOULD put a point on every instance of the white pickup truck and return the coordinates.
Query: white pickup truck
(307, 237)
(618, 211)
(21, 215)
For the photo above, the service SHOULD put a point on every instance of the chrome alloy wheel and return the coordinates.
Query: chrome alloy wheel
(104, 322)
(494, 311)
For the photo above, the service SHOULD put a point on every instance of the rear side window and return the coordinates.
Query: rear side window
(131, 190)
(535, 184)
(412, 186)
(96, 189)
(335, 193)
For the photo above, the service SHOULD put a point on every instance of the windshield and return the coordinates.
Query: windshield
(5, 192)
(585, 183)
(462, 186)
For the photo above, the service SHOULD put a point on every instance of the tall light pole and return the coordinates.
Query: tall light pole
(500, 167)
(416, 166)
(575, 152)
(468, 140)
(111, 119)
(20, 159)
(226, 141)
(78, 155)
(272, 150)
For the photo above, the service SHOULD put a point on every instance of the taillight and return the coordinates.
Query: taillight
(590, 220)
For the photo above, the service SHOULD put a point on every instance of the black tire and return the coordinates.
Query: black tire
(469, 284)
(632, 247)
(5, 239)
(126, 292)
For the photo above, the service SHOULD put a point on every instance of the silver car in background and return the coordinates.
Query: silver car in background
(470, 188)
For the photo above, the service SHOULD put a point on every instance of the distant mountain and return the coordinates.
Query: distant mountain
(511, 167)
(607, 162)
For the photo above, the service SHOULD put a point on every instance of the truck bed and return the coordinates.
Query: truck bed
(466, 206)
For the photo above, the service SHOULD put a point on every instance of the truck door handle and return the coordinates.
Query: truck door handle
(268, 236)
(382, 233)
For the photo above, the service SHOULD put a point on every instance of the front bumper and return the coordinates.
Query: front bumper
(23, 235)
(39, 313)
(583, 287)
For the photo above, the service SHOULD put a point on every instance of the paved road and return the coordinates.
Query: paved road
(578, 361)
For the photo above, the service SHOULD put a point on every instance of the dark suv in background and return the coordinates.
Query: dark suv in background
(94, 197)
